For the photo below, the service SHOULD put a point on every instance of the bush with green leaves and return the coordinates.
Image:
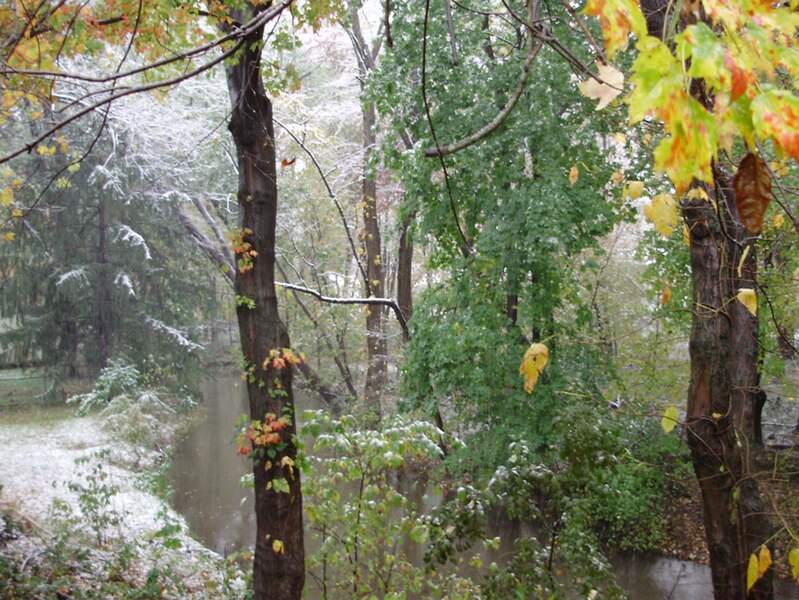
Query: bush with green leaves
(361, 497)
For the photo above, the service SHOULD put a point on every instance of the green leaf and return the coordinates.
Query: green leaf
(706, 52)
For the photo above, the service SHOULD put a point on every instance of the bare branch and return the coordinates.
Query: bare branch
(390, 302)
(332, 195)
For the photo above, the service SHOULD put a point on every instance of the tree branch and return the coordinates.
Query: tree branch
(532, 52)
(389, 302)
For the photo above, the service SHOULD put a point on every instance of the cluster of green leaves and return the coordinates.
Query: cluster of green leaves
(361, 497)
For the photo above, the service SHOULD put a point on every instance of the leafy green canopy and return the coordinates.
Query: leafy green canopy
(528, 200)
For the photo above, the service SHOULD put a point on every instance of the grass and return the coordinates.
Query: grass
(26, 396)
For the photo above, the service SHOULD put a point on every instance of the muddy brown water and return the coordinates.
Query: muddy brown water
(206, 477)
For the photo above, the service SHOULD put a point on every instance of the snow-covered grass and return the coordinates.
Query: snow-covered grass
(77, 515)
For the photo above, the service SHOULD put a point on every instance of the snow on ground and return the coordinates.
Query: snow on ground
(37, 461)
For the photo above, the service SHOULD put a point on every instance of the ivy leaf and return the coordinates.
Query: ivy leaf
(609, 86)
(534, 361)
(663, 213)
(748, 298)
(670, 418)
(752, 185)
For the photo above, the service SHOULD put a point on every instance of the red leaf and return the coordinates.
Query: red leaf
(752, 185)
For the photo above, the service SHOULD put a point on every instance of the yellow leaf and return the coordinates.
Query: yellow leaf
(778, 220)
(608, 85)
(620, 138)
(686, 235)
(780, 168)
(793, 560)
(763, 561)
(663, 213)
(748, 298)
(534, 361)
(16, 213)
(6, 196)
(752, 572)
(697, 193)
(8, 236)
(669, 420)
(666, 295)
(717, 416)
(617, 177)
(278, 547)
(743, 258)
(574, 173)
(633, 190)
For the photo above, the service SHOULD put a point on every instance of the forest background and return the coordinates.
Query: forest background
(457, 239)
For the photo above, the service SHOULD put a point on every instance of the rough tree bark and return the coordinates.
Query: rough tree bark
(279, 569)
(724, 397)
(720, 346)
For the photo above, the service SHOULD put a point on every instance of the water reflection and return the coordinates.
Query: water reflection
(206, 473)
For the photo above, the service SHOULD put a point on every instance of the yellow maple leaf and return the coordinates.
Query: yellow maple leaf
(633, 189)
(534, 361)
(748, 298)
(663, 213)
(574, 173)
(608, 85)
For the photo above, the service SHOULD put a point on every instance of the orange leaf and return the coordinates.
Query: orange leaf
(752, 185)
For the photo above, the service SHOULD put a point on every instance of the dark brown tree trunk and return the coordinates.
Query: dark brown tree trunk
(279, 569)
(720, 339)
(405, 268)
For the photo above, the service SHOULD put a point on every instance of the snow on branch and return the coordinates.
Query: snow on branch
(174, 334)
(76, 275)
(390, 302)
(134, 239)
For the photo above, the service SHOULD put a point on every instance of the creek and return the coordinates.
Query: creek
(207, 490)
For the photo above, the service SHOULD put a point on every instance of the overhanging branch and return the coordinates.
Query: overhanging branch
(390, 302)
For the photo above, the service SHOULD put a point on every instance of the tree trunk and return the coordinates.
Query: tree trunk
(734, 526)
(279, 569)
(375, 340)
(104, 289)
(405, 268)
